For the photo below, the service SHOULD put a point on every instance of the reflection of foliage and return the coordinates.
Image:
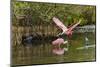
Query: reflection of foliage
(45, 12)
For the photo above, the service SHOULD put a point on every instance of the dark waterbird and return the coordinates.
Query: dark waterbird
(37, 39)
(27, 39)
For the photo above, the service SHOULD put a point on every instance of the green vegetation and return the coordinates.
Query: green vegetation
(39, 18)
(67, 13)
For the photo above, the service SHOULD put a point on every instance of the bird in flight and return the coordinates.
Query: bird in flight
(67, 31)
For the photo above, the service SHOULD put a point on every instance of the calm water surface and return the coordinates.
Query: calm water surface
(42, 53)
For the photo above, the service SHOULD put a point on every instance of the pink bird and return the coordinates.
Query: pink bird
(67, 31)
(58, 42)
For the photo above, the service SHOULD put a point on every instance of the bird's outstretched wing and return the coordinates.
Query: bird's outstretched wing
(71, 28)
(59, 24)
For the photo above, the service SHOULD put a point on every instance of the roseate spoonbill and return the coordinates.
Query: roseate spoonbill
(56, 44)
(67, 31)
(59, 41)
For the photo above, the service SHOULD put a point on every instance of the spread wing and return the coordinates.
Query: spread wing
(71, 28)
(59, 24)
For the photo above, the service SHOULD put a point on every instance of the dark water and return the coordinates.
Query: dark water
(42, 53)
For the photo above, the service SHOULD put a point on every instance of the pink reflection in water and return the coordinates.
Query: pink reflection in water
(56, 46)
(58, 51)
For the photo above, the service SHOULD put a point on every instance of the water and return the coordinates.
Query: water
(42, 53)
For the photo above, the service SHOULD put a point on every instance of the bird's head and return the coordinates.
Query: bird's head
(69, 32)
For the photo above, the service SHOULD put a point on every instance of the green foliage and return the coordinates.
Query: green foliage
(44, 12)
